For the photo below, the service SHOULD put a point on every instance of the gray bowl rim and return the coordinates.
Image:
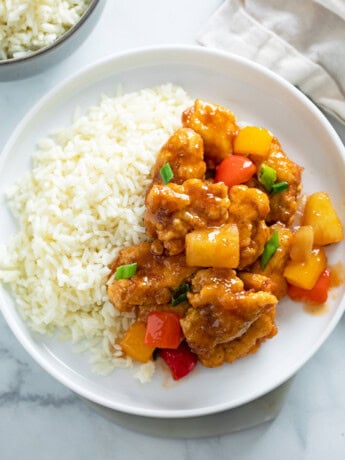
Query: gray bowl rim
(59, 41)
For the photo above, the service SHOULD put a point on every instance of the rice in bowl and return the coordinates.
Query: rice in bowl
(29, 25)
(82, 202)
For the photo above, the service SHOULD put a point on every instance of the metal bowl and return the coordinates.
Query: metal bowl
(62, 47)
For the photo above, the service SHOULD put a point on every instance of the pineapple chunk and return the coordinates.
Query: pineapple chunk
(321, 215)
(133, 343)
(253, 140)
(305, 274)
(302, 243)
(213, 247)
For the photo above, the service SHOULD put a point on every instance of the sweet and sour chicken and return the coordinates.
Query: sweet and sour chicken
(219, 210)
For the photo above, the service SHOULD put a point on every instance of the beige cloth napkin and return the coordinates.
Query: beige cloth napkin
(301, 40)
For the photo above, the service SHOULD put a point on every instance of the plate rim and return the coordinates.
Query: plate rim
(15, 326)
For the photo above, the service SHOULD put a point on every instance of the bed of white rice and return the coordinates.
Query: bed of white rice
(28, 25)
(80, 204)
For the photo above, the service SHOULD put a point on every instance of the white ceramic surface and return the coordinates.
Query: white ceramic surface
(256, 96)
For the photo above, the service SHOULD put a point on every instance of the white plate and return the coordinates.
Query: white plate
(256, 96)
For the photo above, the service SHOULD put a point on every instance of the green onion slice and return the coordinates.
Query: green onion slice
(270, 248)
(126, 271)
(279, 187)
(267, 176)
(166, 173)
(180, 294)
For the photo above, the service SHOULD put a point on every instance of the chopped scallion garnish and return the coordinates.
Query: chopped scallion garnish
(267, 176)
(180, 294)
(126, 271)
(279, 187)
(270, 248)
(166, 173)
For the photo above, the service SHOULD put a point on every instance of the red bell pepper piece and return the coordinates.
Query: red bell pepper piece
(318, 294)
(181, 361)
(235, 170)
(163, 330)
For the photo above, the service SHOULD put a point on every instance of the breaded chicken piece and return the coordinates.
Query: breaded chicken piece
(249, 208)
(222, 311)
(275, 267)
(217, 127)
(155, 280)
(262, 329)
(184, 151)
(256, 282)
(174, 210)
(212, 286)
(283, 205)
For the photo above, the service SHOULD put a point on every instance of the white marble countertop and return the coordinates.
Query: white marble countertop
(41, 419)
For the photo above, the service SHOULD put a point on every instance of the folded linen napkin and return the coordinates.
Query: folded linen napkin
(301, 40)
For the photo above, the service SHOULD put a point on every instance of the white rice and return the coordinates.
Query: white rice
(82, 202)
(28, 25)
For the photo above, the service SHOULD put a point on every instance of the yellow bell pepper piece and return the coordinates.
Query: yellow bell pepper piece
(133, 343)
(213, 247)
(305, 274)
(321, 215)
(253, 140)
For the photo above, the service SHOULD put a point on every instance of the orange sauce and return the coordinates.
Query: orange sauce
(337, 274)
(315, 308)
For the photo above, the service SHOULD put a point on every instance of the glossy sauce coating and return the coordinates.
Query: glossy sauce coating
(229, 312)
